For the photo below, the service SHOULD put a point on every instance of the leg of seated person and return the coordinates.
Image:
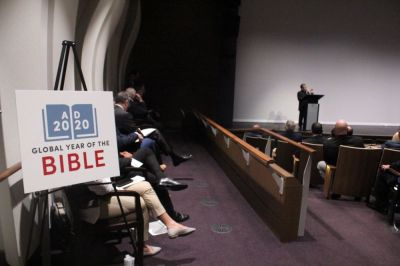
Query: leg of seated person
(147, 157)
(146, 191)
(382, 187)
(154, 205)
(163, 195)
(161, 191)
(154, 175)
(160, 140)
(321, 166)
(166, 148)
(110, 208)
(152, 179)
(152, 145)
(147, 143)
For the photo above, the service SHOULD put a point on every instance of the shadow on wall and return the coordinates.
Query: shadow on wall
(2, 258)
(276, 116)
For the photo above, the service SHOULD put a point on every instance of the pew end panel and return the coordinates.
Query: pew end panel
(355, 173)
(275, 194)
(318, 155)
(389, 156)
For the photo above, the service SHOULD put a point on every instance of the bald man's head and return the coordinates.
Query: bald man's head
(341, 128)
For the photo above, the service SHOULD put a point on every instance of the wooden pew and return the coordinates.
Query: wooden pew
(274, 193)
(389, 156)
(355, 172)
(315, 177)
(284, 155)
(259, 143)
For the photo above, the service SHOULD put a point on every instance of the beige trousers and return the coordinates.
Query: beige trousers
(148, 201)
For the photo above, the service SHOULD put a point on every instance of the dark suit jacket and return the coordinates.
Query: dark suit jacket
(142, 115)
(316, 139)
(302, 102)
(138, 110)
(295, 136)
(331, 146)
(124, 121)
(126, 142)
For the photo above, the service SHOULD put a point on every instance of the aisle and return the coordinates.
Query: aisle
(229, 232)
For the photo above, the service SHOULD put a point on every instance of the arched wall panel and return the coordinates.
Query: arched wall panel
(129, 38)
(96, 41)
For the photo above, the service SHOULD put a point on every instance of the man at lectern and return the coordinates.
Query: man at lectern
(304, 91)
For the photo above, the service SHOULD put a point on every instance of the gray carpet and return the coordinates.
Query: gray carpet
(338, 232)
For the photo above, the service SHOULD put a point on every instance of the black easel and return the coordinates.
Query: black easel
(61, 71)
(36, 198)
(62, 65)
(43, 195)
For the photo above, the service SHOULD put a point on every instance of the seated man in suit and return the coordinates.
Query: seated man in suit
(331, 145)
(289, 132)
(134, 141)
(142, 116)
(317, 137)
(388, 177)
(126, 125)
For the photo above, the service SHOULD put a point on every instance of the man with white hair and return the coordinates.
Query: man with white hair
(289, 132)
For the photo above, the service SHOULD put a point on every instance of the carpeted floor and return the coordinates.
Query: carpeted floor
(338, 232)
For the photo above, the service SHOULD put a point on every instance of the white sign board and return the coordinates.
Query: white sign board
(66, 137)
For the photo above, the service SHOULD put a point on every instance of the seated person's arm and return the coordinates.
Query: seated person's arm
(126, 140)
(125, 159)
(392, 168)
(395, 168)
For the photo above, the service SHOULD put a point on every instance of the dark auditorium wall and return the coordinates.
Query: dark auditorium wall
(185, 52)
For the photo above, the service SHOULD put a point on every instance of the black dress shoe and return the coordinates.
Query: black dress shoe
(178, 159)
(173, 185)
(378, 207)
(181, 217)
